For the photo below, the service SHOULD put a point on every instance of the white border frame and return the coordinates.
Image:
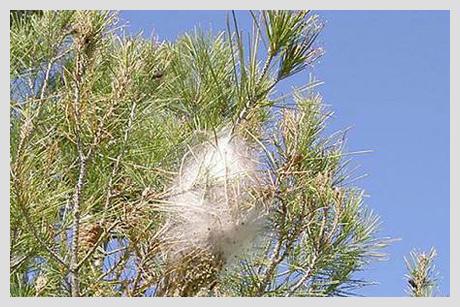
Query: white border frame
(451, 5)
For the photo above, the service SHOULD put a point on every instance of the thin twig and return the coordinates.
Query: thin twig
(117, 162)
(31, 228)
(307, 274)
(74, 281)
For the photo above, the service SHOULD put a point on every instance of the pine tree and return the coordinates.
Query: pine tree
(147, 168)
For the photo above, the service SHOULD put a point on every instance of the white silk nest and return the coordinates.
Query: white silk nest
(214, 203)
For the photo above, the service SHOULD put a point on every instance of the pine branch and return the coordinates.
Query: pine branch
(27, 131)
(83, 160)
(306, 275)
(422, 275)
(31, 226)
(116, 165)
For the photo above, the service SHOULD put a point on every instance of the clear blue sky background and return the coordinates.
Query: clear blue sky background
(386, 74)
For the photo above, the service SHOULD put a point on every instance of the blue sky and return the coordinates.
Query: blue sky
(386, 75)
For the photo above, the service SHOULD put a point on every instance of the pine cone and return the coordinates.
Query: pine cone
(89, 236)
